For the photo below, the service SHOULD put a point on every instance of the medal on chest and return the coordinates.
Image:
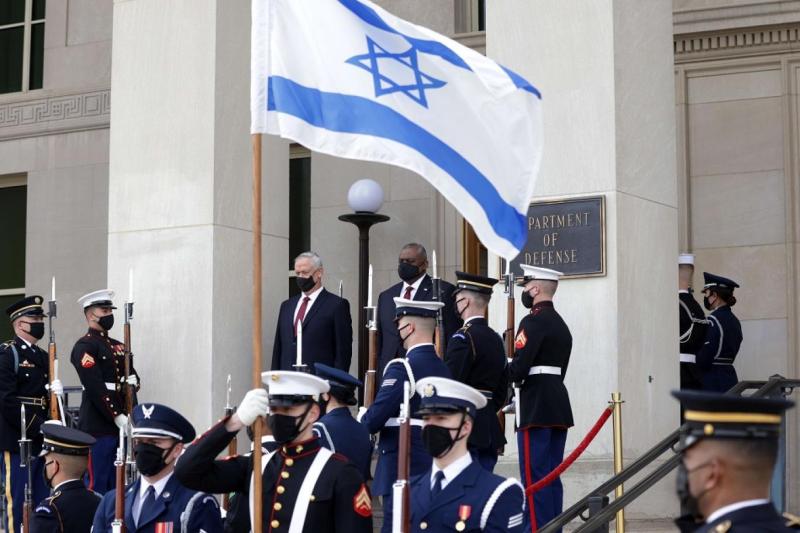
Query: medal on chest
(464, 512)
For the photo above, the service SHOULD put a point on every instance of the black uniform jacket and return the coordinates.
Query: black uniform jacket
(327, 333)
(25, 384)
(754, 519)
(476, 356)
(340, 501)
(693, 325)
(389, 345)
(543, 339)
(70, 509)
(100, 363)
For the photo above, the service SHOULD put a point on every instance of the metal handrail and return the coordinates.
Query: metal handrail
(767, 388)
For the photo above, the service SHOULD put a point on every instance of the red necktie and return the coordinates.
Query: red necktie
(301, 313)
(407, 295)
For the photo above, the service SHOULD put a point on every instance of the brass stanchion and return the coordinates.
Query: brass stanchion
(616, 401)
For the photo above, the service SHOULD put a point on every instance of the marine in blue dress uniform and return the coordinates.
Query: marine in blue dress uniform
(100, 363)
(23, 380)
(542, 349)
(337, 429)
(476, 356)
(304, 483)
(416, 322)
(729, 445)
(723, 337)
(456, 493)
(693, 325)
(157, 502)
(71, 507)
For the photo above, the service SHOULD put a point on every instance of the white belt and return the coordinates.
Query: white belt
(111, 386)
(688, 358)
(395, 422)
(554, 370)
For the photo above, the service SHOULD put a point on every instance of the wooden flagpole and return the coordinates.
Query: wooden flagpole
(257, 347)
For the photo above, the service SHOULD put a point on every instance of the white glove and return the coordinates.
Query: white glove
(56, 387)
(361, 411)
(133, 381)
(121, 421)
(254, 404)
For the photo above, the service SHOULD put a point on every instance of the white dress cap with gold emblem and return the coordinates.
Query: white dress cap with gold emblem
(447, 395)
(530, 273)
(102, 298)
(289, 383)
(422, 308)
(686, 259)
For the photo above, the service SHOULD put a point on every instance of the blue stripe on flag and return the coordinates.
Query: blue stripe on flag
(371, 17)
(355, 114)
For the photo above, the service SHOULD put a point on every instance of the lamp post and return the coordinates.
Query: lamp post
(365, 198)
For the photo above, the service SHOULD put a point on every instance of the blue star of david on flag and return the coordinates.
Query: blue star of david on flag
(415, 82)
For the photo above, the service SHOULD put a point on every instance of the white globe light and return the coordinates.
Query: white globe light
(365, 195)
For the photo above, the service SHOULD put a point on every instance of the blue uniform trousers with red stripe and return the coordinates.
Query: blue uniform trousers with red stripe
(15, 478)
(541, 450)
(101, 476)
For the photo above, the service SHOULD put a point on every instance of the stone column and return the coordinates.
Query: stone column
(180, 200)
(605, 70)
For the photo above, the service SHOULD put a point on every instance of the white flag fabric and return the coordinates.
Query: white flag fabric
(349, 79)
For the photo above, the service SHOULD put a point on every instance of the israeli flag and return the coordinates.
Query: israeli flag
(347, 78)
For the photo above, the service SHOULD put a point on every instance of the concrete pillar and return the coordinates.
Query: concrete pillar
(180, 200)
(605, 72)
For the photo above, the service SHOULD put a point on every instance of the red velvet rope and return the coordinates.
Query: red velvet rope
(566, 463)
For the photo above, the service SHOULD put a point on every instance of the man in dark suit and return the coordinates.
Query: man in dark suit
(325, 318)
(416, 284)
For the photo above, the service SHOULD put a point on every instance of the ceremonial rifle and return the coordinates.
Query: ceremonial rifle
(437, 296)
(372, 326)
(118, 524)
(56, 411)
(25, 462)
(129, 392)
(232, 445)
(509, 338)
(401, 495)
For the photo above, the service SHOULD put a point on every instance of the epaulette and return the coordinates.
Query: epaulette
(7, 344)
(792, 521)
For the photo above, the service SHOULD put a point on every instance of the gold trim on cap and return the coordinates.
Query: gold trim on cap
(732, 417)
(65, 445)
(475, 283)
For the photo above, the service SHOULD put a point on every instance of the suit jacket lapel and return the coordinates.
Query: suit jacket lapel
(148, 515)
(319, 302)
(425, 290)
(421, 494)
(130, 494)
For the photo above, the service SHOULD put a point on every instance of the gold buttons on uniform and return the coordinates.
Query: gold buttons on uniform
(299, 448)
(275, 524)
(281, 489)
(290, 462)
(277, 506)
(423, 525)
(312, 498)
(285, 475)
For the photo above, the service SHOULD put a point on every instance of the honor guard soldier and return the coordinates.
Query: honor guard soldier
(541, 355)
(693, 325)
(337, 429)
(72, 506)
(729, 446)
(157, 502)
(306, 487)
(457, 493)
(100, 363)
(723, 337)
(23, 381)
(415, 322)
(476, 356)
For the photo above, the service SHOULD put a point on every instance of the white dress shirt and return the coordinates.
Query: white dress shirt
(452, 470)
(414, 287)
(734, 507)
(158, 486)
(311, 298)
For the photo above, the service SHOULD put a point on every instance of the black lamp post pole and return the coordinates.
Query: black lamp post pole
(363, 221)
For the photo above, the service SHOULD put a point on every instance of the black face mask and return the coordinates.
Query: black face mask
(407, 271)
(459, 311)
(706, 303)
(150, 458)
(323, 405)
(527, 300)
(403, 339)
(286, 428)
(106, 322)
(689, 503)
(48, 481)
(437, 439)
(305, 284)
(36, 330)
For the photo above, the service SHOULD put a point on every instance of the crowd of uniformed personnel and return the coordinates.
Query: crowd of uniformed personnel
(316, 469)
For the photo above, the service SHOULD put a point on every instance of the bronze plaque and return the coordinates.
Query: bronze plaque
(566, 235)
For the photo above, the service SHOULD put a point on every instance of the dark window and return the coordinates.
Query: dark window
(13, 60)
(481, 15)
(12, 236)
(299, 212)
